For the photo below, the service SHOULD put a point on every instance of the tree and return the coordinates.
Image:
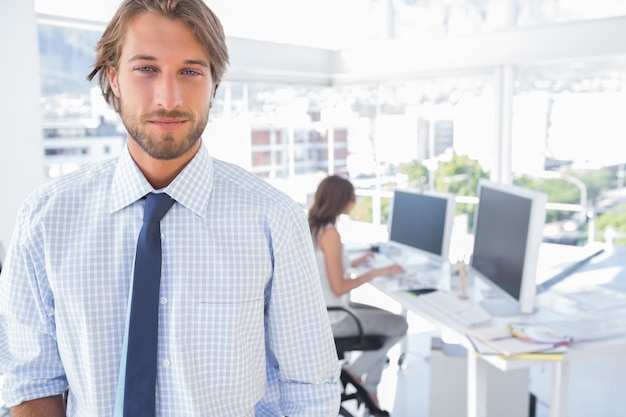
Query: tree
(558, 191)
(459, 175)
(416, 173)
(612, 222)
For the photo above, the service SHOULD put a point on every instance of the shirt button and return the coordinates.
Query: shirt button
(166, 362)
(163, 300)
(162, 236)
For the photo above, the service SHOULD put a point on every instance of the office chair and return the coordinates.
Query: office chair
(360, 342)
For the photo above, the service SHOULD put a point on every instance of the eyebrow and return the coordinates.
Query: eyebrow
(200, 62)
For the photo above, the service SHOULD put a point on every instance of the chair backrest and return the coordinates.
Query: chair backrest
(360, 341)
(347, 344)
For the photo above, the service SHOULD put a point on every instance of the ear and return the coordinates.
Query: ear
(213, 95)
(112, 76)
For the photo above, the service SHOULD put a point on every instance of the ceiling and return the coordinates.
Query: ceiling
(327, 24)
(337, 25)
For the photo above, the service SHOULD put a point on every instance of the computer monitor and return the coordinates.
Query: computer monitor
(422, 220)
(508, 228)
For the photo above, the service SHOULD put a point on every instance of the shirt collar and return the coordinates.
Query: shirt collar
(191, 187)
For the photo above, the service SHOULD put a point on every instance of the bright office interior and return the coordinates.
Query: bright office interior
(423, 94)
(431, 95)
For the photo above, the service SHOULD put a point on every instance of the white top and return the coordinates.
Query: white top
(329, 296)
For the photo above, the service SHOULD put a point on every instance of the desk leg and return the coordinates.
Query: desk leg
(560, 386)
(476, 385)
(494, 393)
(405, 341)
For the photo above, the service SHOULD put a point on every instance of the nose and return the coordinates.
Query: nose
(168, 92)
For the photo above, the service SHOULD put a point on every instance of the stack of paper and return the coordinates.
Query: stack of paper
(503, 340)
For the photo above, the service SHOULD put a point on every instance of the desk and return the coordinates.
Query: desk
(607, 269)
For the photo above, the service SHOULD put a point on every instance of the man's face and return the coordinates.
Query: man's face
(164, 84)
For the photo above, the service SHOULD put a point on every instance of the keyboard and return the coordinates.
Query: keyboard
(462, 311)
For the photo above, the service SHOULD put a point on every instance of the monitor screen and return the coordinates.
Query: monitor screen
(422, 220)
(508, 228)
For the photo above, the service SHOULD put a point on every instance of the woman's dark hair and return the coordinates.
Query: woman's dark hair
(331, 198)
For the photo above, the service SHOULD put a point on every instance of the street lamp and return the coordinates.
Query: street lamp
(583, 213)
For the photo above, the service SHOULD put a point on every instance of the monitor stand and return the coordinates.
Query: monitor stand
(500, 307)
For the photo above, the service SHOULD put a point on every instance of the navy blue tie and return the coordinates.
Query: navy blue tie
(143, 328)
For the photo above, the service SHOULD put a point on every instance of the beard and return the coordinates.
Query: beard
(166, 147)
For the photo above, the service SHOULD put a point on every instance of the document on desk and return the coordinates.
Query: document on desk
(498, 339)
(591, 328)
(380, 260)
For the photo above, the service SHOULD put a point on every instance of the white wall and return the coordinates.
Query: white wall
(21, 143)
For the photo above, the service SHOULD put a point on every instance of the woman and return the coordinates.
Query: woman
(335, 196)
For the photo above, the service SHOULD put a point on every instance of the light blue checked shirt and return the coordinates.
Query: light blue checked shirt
(243, 328)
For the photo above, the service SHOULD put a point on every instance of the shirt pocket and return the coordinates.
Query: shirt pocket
(220, 338)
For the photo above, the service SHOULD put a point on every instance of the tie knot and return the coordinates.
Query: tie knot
(156, 207)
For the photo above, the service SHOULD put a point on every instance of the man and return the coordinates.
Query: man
(242, 326)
